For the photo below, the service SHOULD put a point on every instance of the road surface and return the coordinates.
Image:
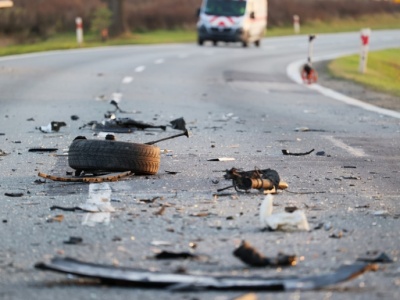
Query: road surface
(238, 103)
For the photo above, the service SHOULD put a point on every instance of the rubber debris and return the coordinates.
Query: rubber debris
(111, 275)
(287, 152)
(250, 256)
(284, 221)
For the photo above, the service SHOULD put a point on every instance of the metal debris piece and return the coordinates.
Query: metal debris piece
(250, 256)
(186, 133)
(112, 275)
(56, 207)
(53, 126)
(175, 255)
(43, 150)
(376, 257)
(282, 221)
(264, 180)
(221, 159)
(74, 117)
(178, 124)
(125, 123)
(14, 195)
(74, 240)
(286, 152)
(2, 153)
(90, 179)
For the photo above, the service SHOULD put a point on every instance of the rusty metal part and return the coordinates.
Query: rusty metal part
(104, 178)
(185, 133)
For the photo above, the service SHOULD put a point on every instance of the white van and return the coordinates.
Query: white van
(242, 21)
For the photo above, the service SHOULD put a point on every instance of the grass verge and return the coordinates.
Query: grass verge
(383, 71)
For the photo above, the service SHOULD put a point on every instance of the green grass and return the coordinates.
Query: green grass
(375, 22)
(68, 41)
(383, 70)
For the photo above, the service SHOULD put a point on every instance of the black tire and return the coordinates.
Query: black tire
(257, 43)
(215, 43)
(103, 155)
(244, 44)
(200, 42)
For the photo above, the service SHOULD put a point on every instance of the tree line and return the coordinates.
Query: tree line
(43, 18)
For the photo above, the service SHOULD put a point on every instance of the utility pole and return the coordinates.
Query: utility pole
(118, 25)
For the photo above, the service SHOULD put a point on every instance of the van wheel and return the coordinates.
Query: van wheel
(106, 155)
(200, 42)
(244, 44)
(215, 43)
(257, 43)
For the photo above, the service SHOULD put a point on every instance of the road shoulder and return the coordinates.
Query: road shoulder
(355, 90)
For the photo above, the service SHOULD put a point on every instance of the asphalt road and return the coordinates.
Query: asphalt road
(238, 103)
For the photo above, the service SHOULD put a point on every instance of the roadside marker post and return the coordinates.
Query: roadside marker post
(365, 36)
(296, 24)
(79, 31)
(308, 73)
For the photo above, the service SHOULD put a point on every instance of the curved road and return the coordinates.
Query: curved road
(238, 103)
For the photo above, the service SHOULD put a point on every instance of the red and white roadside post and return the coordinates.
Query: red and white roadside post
(296, 24)
(79, 31)
(365, 36)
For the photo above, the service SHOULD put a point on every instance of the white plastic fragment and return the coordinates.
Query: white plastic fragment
(99, 198)
(282, 221)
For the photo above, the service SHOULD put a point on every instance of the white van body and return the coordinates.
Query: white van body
(242, 21)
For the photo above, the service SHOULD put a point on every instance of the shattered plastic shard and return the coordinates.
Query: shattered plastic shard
(282, 221)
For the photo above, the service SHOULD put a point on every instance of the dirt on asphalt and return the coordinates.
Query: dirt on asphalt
(355, 90)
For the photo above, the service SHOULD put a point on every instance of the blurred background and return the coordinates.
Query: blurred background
(32, 20)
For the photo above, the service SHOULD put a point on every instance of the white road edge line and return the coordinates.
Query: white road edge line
(293, 72)
(349, 149)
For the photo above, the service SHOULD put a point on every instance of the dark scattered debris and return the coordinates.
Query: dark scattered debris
(151, 200)
(349, 167)
(40, 181)
(53, 126)
(172, 172)
(125, 123)
(178, 124)
(56, 207)
(43, 149)
(257, 179)
(291, 209)
(74, 118)
(118, 109)
(376, 257)
(74, 240)
(112, 275)
(362, 206)
(287, 152)
(336, 235)
(30, 119)
(175, 255)
(14, 195)
(350, 178)
(186, 133)
(2, 153)
(161, 211)
(320, 153)
(250, 256)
